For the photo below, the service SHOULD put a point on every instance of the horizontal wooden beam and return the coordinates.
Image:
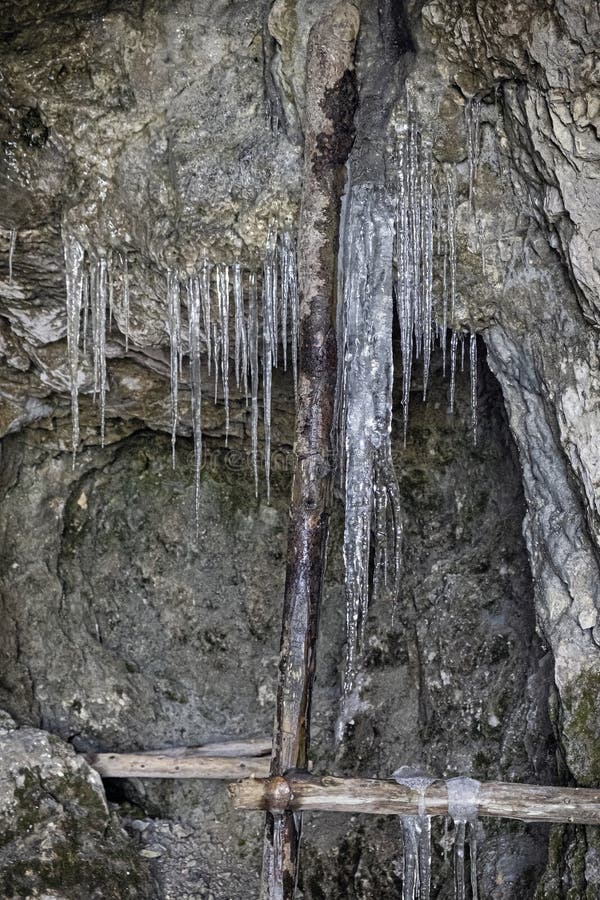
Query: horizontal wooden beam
(526, 802)
(228, 760)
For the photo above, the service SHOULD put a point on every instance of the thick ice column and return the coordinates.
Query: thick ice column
(368, 245)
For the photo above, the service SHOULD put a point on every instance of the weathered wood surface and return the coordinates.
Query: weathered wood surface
(526, 802)
(227, 760)
(328, 135)
(160, 765)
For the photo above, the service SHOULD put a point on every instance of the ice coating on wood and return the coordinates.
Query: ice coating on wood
(416, 830)
(463, 796)
(74, 257)
(365, 409)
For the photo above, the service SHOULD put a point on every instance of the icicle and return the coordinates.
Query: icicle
(404, 290)
(74, 256)
(98, 296)
(174, 330)
(253, 354)
(111, 291)
(462, 352)
(223, 312)
(269, 344)
(125, 276)
(463, 794)
(367, 406)
(451, 238)
(194, 307)
(11, 253)
(86, 309)
(444, 329)
(427, 273)
(417, 840)
(473, 371)
(217, 357)
(472, 121)
(292, 289)
(238, 299)
(453, 349)
(205, 295)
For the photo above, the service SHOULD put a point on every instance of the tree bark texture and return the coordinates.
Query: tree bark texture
(328, 128)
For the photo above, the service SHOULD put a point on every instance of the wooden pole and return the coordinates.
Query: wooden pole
(525, 802)
(328, 132)
(159, 765)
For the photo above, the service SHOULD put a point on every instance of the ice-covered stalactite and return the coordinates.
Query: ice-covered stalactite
(194, 316)
(74, 270)
(404, 285)
(472, 122)
(174, 331)
(269, 343)
(473, 374)
(238, 300)
(451, 237)
(12, 243)
(223, 319)
(416, 830)
(216, 350)
(253, 361)
(366, 408)
(111, 290)
(289, 300)
(453, 349)
(98, 299)
(463, 794)
(205, 296)
(414, 254)
(444, 329)
(85, 303)
(427, 263)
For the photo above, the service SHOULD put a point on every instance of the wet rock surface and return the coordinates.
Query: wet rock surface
(144, 655)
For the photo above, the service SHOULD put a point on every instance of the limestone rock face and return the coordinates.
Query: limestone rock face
(173, 132)
(57, 837)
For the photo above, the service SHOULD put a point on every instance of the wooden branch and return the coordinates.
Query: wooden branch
(159, 765)
(228, 760)
(247, 747)
(526, 802)
(328, 130)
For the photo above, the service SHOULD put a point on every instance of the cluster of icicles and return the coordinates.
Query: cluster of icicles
(463, 796)
(397, 239)
(265, 328)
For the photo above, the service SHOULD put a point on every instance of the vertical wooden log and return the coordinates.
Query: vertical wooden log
(331, 99)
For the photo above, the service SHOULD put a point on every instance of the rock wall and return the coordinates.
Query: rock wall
(173, 131)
